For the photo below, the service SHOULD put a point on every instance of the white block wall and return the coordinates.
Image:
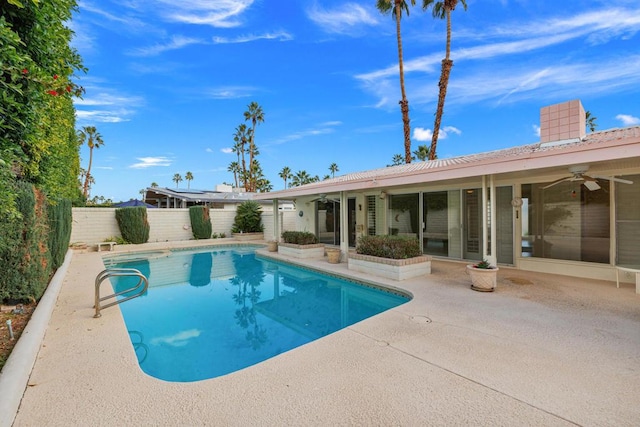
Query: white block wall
(93, 225)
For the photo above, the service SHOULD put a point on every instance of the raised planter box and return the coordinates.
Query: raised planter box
(243, 237)
(395, 269)
(301, 251)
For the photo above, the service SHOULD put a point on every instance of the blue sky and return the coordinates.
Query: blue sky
(169, 81)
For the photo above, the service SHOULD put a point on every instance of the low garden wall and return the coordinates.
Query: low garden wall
(93, 225)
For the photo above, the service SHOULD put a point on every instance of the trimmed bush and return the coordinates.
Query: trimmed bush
(24, 254)
(59, 213)
(133, 224)
(200, 222)
(394, 247)
(299, 237)
(248, 218)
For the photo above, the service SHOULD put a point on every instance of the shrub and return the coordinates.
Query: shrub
(299, 237)
(133, 224)
(24, 254)
(59, 213)
(248, 218)
(200, 222)
(395, 247)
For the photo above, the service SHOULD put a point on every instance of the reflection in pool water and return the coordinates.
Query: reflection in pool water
(215, 311)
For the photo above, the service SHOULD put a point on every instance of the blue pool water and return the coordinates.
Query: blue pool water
(210, 312)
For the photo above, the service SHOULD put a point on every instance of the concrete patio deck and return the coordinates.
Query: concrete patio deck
(542, 350)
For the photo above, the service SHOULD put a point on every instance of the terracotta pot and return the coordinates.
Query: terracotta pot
(483, 279)
(272, 246)
(333, 255)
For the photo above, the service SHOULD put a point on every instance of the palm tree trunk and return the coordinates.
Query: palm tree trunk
(85, 188)
(404, 103)
(447, 64)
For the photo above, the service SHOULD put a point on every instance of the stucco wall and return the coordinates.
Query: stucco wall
(93, 225)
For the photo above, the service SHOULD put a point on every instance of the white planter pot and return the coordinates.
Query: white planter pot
(483, 279)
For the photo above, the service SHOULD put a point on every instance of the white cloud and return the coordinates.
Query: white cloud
(148, 162)
(422, 134)
(349, 18)
(105, 107)
(176, 42)
(628, 120)
(321, 129)
(230, 92)
(227, 150)
(219, 13)
(536, 130)
(281, 36)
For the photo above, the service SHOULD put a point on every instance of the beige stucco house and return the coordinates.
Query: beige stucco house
(569, 204)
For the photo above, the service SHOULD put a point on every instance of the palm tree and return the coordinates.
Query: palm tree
(441, 10)
(397, 160)
(301, 178)
(94, 140)
(256, 115)
(396, 9)
(189, 177)
(240, 138)
(333, 169)
(234, 168)
(591, 121)
(154, 185)
(177, 178)
(422, 153)
(285, 174)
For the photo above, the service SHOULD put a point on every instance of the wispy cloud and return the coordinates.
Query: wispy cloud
(348, 18)
(149, 162)
(219, 13)
(628, 120)
(227, 150)
(281, 36)
(104, 107)
(479, 80)
(321, 129)
(176, 42)
(230, 92)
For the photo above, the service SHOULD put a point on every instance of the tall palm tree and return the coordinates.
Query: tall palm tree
(333, 169)
(397, 159)
(154, 185)
(177, 178)
(255, 114)
(441, 10)
(301, 178)
(386, 6)
(189, 177)
(93, 140)
(240, 139)
(285, 174)
(234, 168)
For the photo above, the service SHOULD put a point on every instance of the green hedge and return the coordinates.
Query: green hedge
(133, 224)
(395, 247)
(299, 237)
(200, 222)
(24, 254)
(59, 213)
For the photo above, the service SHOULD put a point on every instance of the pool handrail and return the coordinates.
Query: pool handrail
(143, 284)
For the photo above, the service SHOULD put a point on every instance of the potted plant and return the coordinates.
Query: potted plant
(393, 257)
(272, 246)
(333, 255)
(247, 224)
(484, 276)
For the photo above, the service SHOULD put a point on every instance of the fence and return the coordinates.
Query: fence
(93, 225)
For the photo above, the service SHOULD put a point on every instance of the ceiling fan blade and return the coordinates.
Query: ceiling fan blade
(558, 181)
(623, 181)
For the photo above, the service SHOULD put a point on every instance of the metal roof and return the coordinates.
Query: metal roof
(613, 144)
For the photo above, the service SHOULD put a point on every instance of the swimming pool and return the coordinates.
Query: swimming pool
(209, 312)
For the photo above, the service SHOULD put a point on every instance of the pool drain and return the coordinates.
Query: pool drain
(420, 319)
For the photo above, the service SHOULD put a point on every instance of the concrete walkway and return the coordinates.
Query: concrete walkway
(543, 350)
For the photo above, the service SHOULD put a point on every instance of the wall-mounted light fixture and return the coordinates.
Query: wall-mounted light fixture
(300, 213)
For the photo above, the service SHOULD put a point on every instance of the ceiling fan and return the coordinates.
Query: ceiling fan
(321, 198)
(578, 173)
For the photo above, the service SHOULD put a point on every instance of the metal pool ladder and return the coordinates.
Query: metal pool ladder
(140, 287)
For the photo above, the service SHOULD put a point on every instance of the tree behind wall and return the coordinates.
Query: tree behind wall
(200, 222)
